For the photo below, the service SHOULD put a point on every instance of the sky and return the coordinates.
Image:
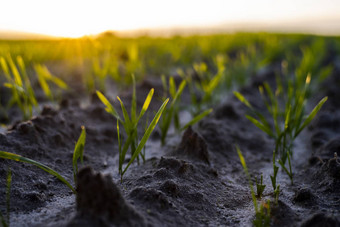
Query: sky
(75, 18)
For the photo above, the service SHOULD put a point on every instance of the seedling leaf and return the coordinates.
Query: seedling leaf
(244, 165)
(261, 126)
(242, 99)
(197, 118)
(18, 158)
(125, 114)
(311, 116)
(134, 100)
(108, 107)
(146, 104)
(78, 152)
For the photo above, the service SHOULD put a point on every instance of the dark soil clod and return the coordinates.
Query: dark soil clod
(48, 110)
(282, 214)
(151, 197)
(333, 168)
(321, 220)
(304, 196)
(227, 111)
(99, 198)
(193, 146)
(330, 148)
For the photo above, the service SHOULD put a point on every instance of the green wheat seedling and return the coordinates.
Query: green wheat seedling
(45, 77)
(22, 92)
(171, 113)
(5, 220)
(130, 124)
(259, 187)
(262, 213)
(77, 154)
(96, 77)
(206, 85)
(288, 121)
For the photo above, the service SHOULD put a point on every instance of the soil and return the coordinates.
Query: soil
(196, 179)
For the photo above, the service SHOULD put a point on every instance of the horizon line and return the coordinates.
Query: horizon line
(312, 27)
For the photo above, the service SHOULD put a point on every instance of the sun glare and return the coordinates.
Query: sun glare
(77, 18)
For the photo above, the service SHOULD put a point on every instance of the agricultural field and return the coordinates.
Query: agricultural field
(216, 130)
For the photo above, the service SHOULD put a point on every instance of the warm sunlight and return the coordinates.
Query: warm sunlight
(78, 18)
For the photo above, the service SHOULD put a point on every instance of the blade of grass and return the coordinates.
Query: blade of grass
(260, 126)
(108, 107)
(42, 80)
(78, 152)
(15, 72)
(28, 85)
(127, 124)
(146, 104)
(134, 100)
(242, 99)
(179, 92)
(165, 86)
(197, 118)
(119, 141)
(123, 153)
(18, 158)
(244, 165)
(172, 87)
(5, 69)
(311, 116)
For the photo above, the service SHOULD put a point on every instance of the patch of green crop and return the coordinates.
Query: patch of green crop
(204, 89)
(45, 77)
(288, 119)
(22, 92)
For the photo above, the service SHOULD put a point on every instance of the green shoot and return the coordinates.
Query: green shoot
(274, 177)
(277, 193)
(262, 214)
(130, 126)
(260, 187)
(78, 152)
(244, 165)
(22, 92)
(147, 134)
(45, 76)
(171, 112)
(19, 158)
(262, 218)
